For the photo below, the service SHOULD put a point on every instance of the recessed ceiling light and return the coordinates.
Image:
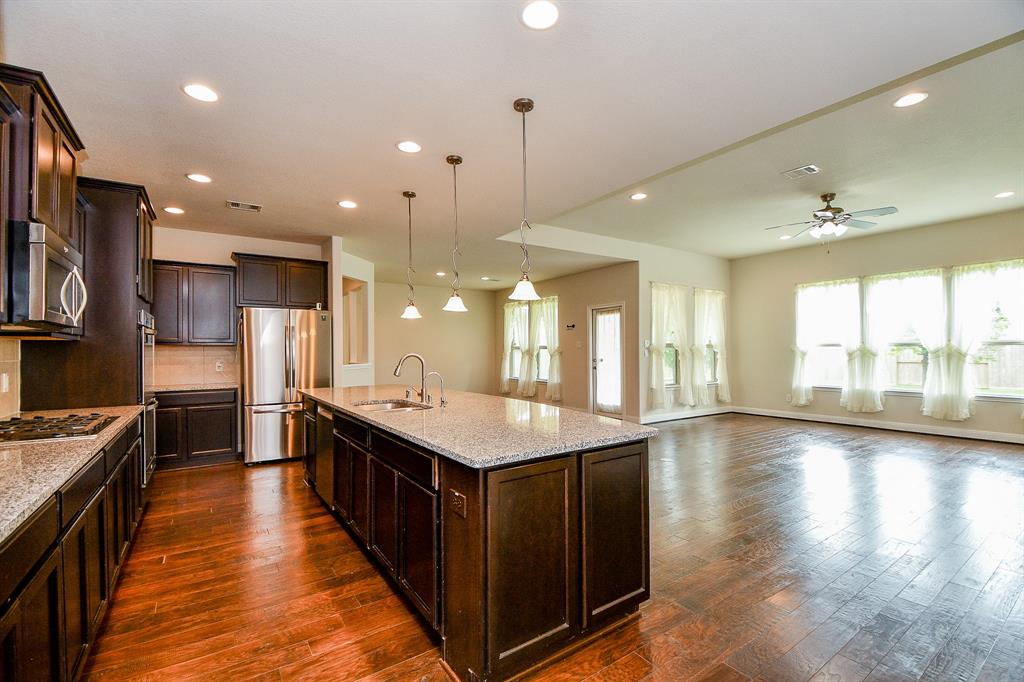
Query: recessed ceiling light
(639, 196)
(785, 237)
(439, 273)
(199, 177)
(174, 209)
(540, 14)
(347, 203)
(200, 92)
(408, 146)
(1003, 195)
(911, 99)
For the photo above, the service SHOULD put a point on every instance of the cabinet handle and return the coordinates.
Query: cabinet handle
(85, 296)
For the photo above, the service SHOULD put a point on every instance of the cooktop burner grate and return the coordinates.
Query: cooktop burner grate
(21, 429)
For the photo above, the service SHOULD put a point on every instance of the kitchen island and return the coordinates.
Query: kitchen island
(518, 530)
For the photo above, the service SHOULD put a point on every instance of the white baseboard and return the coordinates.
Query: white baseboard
(936, 430)
(685, 414)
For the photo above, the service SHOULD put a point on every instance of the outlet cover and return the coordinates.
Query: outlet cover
(220, 366)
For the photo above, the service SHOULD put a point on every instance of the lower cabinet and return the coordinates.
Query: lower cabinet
(419, 543)
(119, 528)
(360, 514)
(40, 652)
(85, 581)
(384, 514)
(196, 428)
(342, 478)
(309, 447)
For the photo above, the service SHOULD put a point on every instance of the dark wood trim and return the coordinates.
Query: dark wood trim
(36, 79)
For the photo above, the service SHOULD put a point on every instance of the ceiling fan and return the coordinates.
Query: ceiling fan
(834, 221)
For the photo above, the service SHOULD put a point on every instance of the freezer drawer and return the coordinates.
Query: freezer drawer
(273, 432)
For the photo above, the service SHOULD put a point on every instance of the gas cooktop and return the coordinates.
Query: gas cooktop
(24, 429)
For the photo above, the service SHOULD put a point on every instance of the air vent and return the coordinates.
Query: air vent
(802, 171)
(242, 206)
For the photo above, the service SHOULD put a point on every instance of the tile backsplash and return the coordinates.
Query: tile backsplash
(185, 365)
(10, 366)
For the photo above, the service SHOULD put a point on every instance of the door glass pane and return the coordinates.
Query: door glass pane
(608, 360)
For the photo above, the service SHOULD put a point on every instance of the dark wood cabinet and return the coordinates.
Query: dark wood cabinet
(342, 477)
(118, 530)
(196, 428)
(45, 182)
(383, 537)
(194, 304)
(418, 541)
(615, 531)
(325, 456)
(67, 177)
(10, 629)
(269, 282)
(40, 654)
(8, 111)
(144, 249)
(85, 585)
(360, 514)
(309, 447)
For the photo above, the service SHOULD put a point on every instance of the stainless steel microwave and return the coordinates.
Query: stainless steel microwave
(48, 289)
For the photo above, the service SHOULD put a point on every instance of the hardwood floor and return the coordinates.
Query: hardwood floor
(782, 550)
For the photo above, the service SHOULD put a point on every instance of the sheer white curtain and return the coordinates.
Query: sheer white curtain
(709, 331)
(668, 326)
(508, 334)
(549, 318)
(866, 345)
(608, 393)
(698, 351)
(528, 365)
(826, 313)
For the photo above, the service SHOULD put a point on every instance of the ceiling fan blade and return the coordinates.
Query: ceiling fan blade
(885, 210)
(862, 224)
(811, 225)
(805, 222)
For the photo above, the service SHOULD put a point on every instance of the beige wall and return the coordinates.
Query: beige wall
(576, 295)
(10, 365)
(458, 345)
(191, 246)
(191, 365)
(762, 313)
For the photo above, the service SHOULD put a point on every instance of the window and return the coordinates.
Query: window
(520, 324)
(671, 362)
(531, 329)
(997, 364)
(711, 364)
(828, 325)
(543, 356)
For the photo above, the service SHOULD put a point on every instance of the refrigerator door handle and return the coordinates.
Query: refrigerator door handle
(295, 410)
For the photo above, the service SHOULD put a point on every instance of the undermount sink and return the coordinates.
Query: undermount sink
(397, 405)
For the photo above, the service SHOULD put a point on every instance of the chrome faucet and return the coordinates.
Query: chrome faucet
(423, 373)
(444, 400)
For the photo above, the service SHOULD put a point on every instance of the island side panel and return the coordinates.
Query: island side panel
(616, 532)
(463, 620)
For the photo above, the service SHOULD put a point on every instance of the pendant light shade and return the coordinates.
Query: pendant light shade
(455, 303)
(524, 290)
(410, 312)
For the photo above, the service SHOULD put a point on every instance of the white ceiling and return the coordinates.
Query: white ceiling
(940, 160)
(314, 95)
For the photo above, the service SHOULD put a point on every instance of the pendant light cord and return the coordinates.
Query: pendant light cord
(409, 271)
(456, 282)
(523, 226)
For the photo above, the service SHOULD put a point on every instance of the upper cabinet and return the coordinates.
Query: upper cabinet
(44, 155)
(268, 282)
(194, 304)
(144, 252)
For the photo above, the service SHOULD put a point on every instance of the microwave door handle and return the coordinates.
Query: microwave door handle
(80, 310)
(66, 307)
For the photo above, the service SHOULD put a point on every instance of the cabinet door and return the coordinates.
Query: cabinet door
(46, 142)
(616, 572)
(40, 637)
(532, 544)
(306, 285)
(170, 435)
(118, 521)
(384, 513)
(261, 282)
(342, 478)
(169, 303)
(211, 305)
(325, 456)
(84, 582)
(79, 219)
(134, 485)
(309, 448)
(144, 260)
(210, 430)
(417, 542)
(67, 178)
(360, 513)
(10, 631)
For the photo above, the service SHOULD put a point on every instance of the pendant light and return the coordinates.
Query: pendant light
(410, 313)
(524, 290)
(455, 304)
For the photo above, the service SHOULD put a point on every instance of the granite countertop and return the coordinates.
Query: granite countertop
(484, 431)
(167, 388)
(30, 474)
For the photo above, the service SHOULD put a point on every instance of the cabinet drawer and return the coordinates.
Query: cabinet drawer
(418, 465)
(179, 398)
(355, 431)
(81, 489)
(21, 552)
(115, 451)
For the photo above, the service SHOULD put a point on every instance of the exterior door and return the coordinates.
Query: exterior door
(606, 360)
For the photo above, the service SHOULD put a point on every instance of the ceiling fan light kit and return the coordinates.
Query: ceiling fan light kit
(834, 221)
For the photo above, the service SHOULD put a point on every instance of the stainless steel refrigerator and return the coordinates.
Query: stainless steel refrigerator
(282, 351)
